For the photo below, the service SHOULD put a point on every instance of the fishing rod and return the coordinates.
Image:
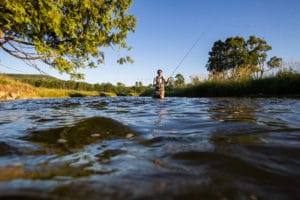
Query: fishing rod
(187, 53)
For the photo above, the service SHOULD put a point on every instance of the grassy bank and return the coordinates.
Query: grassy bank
(13, 89)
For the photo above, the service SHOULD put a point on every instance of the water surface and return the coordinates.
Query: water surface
(143, 148)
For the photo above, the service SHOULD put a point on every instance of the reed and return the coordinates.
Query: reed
(284, 84)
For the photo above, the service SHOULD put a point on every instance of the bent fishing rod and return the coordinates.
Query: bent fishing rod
(187, 53)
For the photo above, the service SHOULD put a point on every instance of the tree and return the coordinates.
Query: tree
(66, 34)
(120, 88)
(108, 87)
(216, 60)
(235, 52)
(257, 53)
(195, 80)
(179, 82)
(138, 86)
(274, 62)
(229, 57)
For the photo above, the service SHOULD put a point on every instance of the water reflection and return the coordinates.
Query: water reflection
(161, 112)
(239, 111)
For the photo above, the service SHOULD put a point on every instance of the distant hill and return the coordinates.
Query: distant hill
(45, 81)
(31, 76)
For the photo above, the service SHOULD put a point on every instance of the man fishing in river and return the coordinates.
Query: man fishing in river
(159, 84)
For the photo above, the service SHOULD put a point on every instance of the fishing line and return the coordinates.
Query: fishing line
(11, 68)
(187, 53)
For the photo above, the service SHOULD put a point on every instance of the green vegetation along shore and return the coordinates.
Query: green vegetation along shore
(283, 84)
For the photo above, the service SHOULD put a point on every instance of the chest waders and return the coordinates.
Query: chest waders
(159, 88)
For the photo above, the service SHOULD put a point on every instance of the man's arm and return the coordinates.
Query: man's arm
(154, 82)
(167, 82)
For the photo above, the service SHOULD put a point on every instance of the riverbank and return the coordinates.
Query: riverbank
(11, 89)
(282, 85)
(29, 86)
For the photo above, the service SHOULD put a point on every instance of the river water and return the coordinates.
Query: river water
(143, 148)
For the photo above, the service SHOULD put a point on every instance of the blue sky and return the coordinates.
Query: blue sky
(166, 30)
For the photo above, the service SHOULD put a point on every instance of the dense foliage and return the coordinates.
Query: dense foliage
(236, 57)
(66, 34)
(180, 81)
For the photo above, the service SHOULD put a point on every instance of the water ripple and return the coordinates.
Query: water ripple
(177, 148)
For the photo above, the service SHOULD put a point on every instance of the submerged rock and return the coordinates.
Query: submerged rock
(106, 156)
(66, 139)
(6, 149)
(62, 141)
(95, 135)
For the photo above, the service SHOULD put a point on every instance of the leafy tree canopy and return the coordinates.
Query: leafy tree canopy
(237, 52)
(66, 34)
(275, 62)
(179, 80)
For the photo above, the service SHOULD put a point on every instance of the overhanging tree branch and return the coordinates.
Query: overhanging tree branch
(66, 34)
(26, 55)
(17, 40)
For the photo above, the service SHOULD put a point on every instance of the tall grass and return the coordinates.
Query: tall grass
(284, 84)
(11, 89)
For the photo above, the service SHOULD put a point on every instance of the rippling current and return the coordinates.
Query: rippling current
(143, 148)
